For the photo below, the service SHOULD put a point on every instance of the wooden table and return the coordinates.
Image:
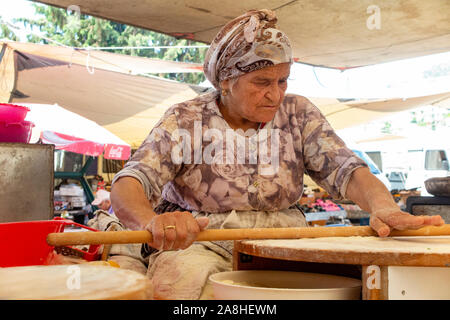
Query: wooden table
(390, 268)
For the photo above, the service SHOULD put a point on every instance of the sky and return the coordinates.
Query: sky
(14, 8)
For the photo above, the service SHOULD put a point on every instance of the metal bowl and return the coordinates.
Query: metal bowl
(438, 186)
(283, 285)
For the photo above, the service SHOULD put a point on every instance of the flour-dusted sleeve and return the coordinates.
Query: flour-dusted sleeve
(328, 161)
(152, 164)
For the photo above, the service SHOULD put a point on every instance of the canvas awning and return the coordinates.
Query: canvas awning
(93, 59)
(412, 139)
(339, 34)
(344, 114)
(126, 105)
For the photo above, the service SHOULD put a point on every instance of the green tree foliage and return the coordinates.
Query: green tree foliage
(80, 31)
(387, 128)
(440, 70)
(433, 118)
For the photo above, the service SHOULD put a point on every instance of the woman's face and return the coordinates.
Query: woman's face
(256, 96)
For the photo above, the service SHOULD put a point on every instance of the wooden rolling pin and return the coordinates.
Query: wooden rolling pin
(120, 237)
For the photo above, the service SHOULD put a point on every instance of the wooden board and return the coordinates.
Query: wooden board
(72, 282)
(395, 251)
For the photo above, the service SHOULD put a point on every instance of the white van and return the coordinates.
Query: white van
(424, 164)
(410, 159)
(372, 166)
(374, 169)
(408, 169)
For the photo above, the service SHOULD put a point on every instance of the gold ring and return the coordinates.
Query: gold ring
(169, 227)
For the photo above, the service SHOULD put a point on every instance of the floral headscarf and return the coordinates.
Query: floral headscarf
(245, 44)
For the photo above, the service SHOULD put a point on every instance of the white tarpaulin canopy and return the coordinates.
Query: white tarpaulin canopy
(130, 105)
(338, 34)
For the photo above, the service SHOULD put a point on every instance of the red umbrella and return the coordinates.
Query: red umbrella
(71, 132)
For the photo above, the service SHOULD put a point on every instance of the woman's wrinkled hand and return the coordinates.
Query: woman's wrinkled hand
(385, 220)
(175, 230)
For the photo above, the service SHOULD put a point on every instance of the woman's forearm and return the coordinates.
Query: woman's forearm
(130, 204)
(369, 193)
(385, 215)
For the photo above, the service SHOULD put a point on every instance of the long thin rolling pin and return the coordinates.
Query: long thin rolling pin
(121, 237)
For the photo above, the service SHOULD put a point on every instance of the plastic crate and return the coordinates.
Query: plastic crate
(25, 243)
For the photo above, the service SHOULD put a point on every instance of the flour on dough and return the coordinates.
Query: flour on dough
(434, 244)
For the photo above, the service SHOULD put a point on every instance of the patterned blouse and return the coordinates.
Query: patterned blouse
(194, 159)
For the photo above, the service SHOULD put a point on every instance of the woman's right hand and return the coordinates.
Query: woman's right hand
(175, 230)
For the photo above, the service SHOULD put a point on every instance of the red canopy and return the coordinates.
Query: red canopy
(82, 146)
(71, 132)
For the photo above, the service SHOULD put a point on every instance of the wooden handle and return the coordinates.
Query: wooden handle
(107, 247)
(122, 237)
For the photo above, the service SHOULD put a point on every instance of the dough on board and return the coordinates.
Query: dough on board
(435, 244)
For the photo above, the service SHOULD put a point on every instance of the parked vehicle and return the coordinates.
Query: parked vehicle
(425, 164)
(408, 168)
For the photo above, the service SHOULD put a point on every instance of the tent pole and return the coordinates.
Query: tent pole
(2, 53)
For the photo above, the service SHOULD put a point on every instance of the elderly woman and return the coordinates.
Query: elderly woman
(197, 169)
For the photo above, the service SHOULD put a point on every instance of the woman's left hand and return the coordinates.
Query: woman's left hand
(370, 194)
(383, 221)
